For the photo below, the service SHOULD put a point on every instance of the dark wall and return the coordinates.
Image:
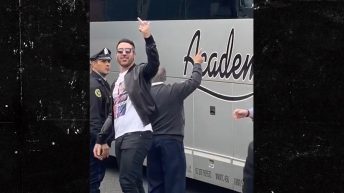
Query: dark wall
(44, 98)
(299, 87)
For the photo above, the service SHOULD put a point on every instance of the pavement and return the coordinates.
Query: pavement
(110, 182)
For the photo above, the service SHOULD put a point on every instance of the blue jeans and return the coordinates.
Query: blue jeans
(97, 170)
(131, 150)
(166, 165)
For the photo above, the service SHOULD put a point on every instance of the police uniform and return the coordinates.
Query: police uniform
(100, 107)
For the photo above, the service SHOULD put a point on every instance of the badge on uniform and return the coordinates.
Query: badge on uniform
(98, 93)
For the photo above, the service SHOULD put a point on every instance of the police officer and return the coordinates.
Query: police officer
(100, 107)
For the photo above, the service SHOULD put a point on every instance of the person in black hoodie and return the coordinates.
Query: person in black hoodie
(248, 175)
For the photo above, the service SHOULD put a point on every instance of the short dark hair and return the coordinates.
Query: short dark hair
(126, 41)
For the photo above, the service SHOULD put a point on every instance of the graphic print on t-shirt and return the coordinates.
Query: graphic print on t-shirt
(120, 100)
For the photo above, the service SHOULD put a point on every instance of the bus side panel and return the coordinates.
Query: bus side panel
(214, 123)
(215, 144)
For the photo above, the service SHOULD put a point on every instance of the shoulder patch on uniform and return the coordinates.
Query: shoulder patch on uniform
(98, 93)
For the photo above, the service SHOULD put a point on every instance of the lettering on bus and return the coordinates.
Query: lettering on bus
(224, 67)
(222, 177)
(202, 172)
(238, 182)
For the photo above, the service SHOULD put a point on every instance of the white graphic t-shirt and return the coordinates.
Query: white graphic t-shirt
(126, 118)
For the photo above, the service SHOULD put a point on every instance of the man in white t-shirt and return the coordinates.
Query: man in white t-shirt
(132, 113)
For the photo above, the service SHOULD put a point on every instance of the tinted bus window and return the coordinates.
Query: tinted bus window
(119, 10)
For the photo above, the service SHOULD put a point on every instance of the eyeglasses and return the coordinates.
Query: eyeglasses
(124, 50)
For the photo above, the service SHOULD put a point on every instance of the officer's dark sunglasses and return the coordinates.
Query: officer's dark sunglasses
(126, 50)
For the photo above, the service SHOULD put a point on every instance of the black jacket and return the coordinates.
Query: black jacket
(137, 83)
(100, 103)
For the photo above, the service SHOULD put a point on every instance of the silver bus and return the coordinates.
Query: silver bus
(215, 144)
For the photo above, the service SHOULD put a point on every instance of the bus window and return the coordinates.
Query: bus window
(166, 9)
(129, 10)
(246, 8)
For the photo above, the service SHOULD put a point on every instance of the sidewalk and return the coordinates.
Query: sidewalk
(110, 183)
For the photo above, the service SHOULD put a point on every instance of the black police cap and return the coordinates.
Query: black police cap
(104, 54)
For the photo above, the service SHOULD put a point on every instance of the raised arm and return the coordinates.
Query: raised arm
(152, 53)
(184, 89)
